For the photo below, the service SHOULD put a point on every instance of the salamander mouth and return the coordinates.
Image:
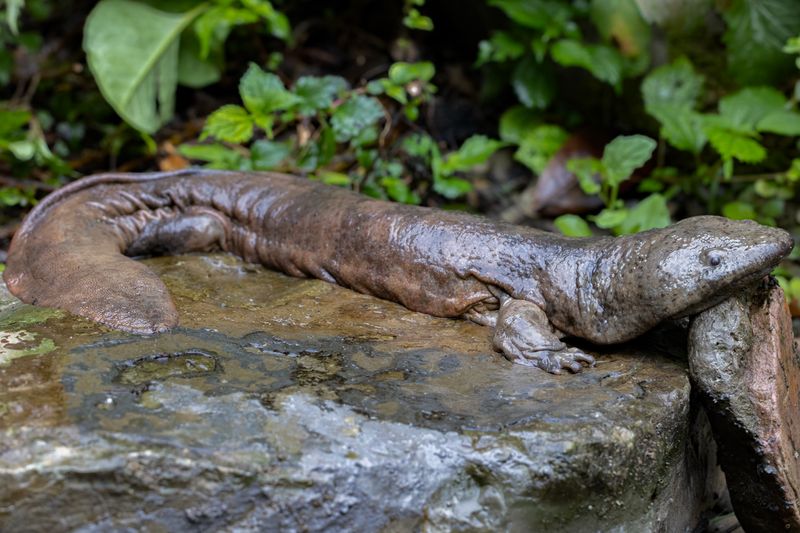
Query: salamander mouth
(747, 280)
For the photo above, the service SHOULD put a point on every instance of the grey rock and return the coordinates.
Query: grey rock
(295, 405)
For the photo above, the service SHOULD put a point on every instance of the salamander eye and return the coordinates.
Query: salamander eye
(713, 258)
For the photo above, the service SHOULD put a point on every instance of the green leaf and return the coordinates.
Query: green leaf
(398, 190)
(620, 21)
(475, 151)
(22, 150)
(625, 154)
(230, 123)
(745, 108)
(193, 71)
(538, 14)
(317, 92)
(534, 83)
(451, 188)
(417, 21)
(356, 114)
(588, 170)
(676, 85)
(266, 155)
(264, 92)
(680, 126)
(216, 154)
(12, 121)
(572, 226)
(277, 23)
(132, 52)
(338, 179)
(757, 31)
(13, 9)
(500, 47)
(213, 26)
(604, 62)
(610, 218)
(650, 213)
(782, 122)
(739, 211)
(402, 73)
(539, 145)
(516, 122)
(733, 145)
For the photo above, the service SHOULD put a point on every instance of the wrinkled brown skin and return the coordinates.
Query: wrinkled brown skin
(533, 287)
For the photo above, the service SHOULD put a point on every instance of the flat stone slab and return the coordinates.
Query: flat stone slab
(285, 405)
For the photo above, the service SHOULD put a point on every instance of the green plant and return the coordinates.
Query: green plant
(323, 127)
(139, 53)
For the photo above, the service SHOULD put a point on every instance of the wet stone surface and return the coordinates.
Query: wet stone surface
(286, 404)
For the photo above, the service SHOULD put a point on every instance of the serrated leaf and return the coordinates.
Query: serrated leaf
(216, 154)
(782, 122)
(756, 33)
(264, 93)
(230, 123)
(745, 108)
(266, 155)
(680, 126)
(625, 154)
(676, 84)
(356, 114)
(402, 73)
(604, 62)
(733, 145)
(132, 52)
(317, 92)
(572, 226)
(534, 83)
(650, 213)
(475, 151)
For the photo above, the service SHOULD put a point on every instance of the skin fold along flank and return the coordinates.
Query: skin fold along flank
(532, 287)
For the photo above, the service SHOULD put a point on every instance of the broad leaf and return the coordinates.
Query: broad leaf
(534, 83)
(539, 14)
(501, 46)
(739, 211)
(781, 122)
(734, 145)
(676, 84)
(650, 213)
(538, 145)
(132, 51)
(317, 92)
(757, 31)
(266, 155)
(625, 154)
(264, 92)
(402, 73)
(604, 62)
(745, 108)
(475, 151)
(193, 71)
(516, 122)
(622, 22)
(353, 116)
(680, 126)
(572, 226)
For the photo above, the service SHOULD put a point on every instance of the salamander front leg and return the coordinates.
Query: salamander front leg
(526, 337)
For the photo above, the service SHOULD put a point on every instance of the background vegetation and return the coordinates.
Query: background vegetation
(585, 116)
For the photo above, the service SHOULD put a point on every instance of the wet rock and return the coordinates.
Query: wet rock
(747, 371)
(286, 405)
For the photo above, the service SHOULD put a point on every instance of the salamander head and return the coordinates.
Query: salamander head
(700, 261)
